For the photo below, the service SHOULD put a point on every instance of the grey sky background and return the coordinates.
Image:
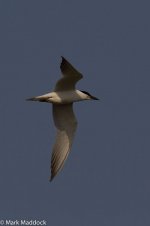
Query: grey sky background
(106, 179)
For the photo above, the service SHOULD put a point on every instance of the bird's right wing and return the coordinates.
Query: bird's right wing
(70, 77)
(66, 124)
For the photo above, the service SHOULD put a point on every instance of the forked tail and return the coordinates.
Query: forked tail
(39, 98)
(32, 99)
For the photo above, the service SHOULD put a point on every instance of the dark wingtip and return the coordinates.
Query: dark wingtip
(63, 63)
(51, 178)
(63, 58)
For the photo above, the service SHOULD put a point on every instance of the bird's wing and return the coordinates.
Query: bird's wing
(66, 124)
(70, 76)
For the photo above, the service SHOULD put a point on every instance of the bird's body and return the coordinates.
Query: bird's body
(62, 98)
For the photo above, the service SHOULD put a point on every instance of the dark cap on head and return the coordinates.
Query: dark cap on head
(92, 97)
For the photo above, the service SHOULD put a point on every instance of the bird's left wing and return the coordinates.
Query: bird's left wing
(70, 77)
(65, 122)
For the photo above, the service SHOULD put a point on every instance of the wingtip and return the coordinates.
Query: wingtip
(63, 59)
(51, 178)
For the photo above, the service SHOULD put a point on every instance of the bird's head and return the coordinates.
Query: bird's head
(88, 96)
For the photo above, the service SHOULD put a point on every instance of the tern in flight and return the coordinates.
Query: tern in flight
(62, 99)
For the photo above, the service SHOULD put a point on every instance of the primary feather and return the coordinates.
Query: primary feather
(70, 77)
(66, 123)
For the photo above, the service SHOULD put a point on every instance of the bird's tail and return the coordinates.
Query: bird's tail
(33, 99)
(43, 98)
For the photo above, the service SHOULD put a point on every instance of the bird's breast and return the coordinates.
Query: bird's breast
(65, 97)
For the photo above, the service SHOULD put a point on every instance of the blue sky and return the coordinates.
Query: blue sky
(105, 180)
